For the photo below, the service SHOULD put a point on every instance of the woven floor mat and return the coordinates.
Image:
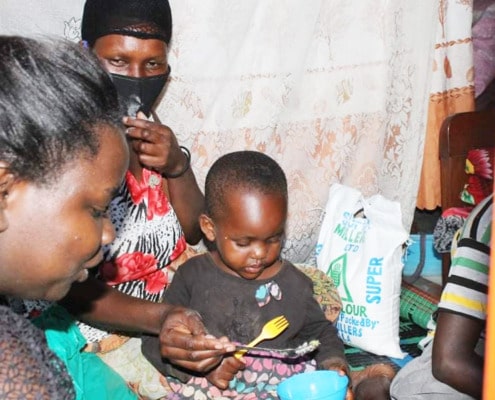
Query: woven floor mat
(410, 335)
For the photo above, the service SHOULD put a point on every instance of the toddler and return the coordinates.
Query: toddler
(241, 283)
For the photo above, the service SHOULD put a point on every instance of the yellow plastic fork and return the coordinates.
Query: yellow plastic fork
(270, 330)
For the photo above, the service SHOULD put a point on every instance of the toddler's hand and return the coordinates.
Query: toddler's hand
(341, 366)
(225, 372)
(349, 394)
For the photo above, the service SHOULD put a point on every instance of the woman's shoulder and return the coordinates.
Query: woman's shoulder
(12, 323)
(23, 347)
(18, 335)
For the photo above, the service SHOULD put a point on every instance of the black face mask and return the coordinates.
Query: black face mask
(139, 94)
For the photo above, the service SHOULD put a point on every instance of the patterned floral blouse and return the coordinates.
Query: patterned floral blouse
(148, 238)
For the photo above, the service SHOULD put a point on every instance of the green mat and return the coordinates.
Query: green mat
(410, 335)
(416, 305)
(416, 310)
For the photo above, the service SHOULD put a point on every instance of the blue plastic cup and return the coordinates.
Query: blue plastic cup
(315, 385)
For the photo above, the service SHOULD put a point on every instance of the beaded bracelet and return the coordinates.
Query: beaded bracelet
(187, 165)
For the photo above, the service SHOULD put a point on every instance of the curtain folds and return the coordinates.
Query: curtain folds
(334, 90)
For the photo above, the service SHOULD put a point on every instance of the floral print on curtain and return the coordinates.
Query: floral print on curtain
(335, 91)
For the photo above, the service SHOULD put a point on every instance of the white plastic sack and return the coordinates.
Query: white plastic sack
(360, 248)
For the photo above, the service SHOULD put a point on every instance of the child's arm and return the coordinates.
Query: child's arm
(340, 365)
(336, 364)
(330, 354)
(317, 327)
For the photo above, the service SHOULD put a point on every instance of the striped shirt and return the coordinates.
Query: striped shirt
(467, 285)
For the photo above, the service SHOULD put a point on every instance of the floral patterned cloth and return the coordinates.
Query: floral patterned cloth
(264, 374)
(139, 262)
(325, 291)
(479, 184)
(148, 238)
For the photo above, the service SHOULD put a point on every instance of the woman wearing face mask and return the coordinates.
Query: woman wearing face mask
(157, 209)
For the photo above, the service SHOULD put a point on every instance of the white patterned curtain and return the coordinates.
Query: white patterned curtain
(451, 88)
(334, 90)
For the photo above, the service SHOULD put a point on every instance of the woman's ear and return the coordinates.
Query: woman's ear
(207, 226)
(6, 181)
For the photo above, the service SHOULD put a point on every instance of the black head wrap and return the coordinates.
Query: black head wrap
(144, 19)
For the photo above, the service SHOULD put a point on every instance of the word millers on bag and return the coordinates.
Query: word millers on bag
(354, 326)
(351, 229)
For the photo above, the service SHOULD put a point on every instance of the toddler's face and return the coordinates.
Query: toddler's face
(249, 234)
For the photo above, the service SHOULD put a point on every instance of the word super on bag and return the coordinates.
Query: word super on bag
(360, 248)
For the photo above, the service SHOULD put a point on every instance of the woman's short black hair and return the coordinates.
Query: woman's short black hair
(53, 94)
(242, 170)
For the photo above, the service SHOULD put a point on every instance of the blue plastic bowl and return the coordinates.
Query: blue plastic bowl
(315, 385)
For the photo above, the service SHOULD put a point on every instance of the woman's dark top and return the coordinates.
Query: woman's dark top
(28, 368)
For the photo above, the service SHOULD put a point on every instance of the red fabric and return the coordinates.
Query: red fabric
(479, 170)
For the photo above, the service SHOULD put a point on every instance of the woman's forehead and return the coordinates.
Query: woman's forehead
(130, 44)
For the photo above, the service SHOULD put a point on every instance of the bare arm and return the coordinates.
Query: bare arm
(183, 339)
(95, 302)
(188, 201)
(454, 361)
(157, 148)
